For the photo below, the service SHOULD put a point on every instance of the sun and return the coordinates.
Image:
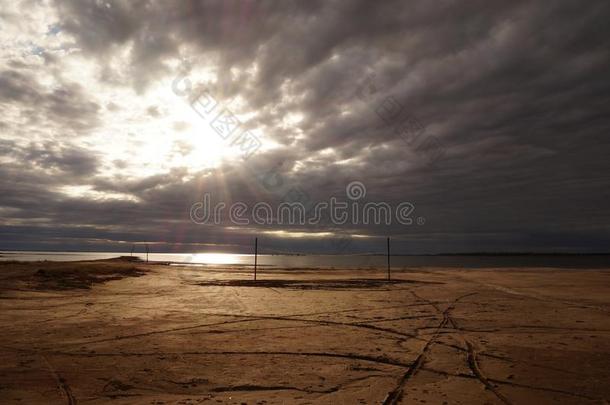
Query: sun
(209, 148)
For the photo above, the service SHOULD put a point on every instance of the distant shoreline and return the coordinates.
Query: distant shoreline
(488, 254)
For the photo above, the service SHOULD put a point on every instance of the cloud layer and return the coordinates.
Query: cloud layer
(491, 119)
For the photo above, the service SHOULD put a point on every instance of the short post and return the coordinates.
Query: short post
(388, 259)
(255, 256)
(147, 250)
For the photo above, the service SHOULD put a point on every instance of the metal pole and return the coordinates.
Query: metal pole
(388, 259)
(255, 256)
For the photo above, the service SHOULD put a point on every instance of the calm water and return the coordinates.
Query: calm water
(330, 261)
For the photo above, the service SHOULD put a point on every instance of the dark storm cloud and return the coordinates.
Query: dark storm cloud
(100, 24)
(15, 86)
(74, 161)
(50, 157)
(515, 93)
(30, 178)
(68, 106)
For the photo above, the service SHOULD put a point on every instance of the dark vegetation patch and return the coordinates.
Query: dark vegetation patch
(313, 284)
(81, 277)
(50, 275)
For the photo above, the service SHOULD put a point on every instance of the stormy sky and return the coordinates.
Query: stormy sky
(490, 118)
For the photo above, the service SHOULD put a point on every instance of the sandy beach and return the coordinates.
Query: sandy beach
(133, 333)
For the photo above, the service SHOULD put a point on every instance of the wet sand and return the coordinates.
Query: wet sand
(130, 333)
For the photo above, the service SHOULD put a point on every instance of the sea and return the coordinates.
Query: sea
(332, 261)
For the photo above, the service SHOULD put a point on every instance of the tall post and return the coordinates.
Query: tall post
(388, 259)
(255, 256)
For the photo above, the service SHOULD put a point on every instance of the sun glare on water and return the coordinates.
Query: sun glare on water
(218, 258)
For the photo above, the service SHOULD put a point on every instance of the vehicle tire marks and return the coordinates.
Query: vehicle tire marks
(61, 382)
(349, 356)
(474, 367)
(394, 396)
